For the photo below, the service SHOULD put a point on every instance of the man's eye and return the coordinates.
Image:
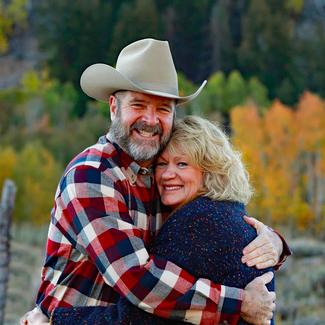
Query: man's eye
(165, 109)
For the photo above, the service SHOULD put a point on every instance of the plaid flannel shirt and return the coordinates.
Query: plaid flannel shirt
(106, 212)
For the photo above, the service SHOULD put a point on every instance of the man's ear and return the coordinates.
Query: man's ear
(112, 104)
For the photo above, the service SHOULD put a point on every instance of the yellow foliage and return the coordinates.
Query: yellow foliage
(31, 82)
(295, 5)
(3, 42)
(8, 160)
(12, 14)
(285, 151)
(37, 175)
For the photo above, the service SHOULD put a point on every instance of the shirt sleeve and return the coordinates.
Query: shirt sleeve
(92, 206)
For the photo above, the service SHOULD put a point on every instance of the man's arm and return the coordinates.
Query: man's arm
(268, 249)
(112, 241)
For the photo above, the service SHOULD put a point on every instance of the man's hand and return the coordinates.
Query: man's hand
(258, 303)
(265, 250)
(34, 317)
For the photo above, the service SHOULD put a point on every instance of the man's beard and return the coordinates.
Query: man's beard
(137, 149)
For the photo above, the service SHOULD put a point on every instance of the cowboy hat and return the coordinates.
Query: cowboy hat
(145, 66)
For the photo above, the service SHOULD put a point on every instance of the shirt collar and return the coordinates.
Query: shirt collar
(132, 168)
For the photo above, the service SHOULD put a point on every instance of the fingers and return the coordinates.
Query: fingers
(254, 223)
(34, 316)
(264, 279)
(258, 303)
(259, 241)
(261, 252)
(23, 320)
(262, 257)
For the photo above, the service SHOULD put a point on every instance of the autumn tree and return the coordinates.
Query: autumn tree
(285, 151)
(8, 160)
(311, 137)
(36, 175)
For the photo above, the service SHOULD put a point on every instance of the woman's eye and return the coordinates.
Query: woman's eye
(182, 164)
(160, 164)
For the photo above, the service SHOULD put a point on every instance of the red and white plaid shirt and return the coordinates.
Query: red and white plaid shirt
(106, 213)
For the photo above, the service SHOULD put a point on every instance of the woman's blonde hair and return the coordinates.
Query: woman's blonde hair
(209, 149)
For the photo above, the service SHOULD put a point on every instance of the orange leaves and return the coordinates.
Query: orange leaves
(287, 149)
(311, 121)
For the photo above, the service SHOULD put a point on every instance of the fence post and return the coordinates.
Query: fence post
(7, 205)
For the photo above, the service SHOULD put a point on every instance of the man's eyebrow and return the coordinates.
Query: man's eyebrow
(135, 100)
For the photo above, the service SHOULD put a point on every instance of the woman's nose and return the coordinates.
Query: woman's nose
(169, 172)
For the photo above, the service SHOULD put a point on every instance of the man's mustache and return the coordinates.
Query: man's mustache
(140, 126)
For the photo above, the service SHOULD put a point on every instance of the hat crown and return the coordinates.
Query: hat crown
(145, 66)
(148, 63)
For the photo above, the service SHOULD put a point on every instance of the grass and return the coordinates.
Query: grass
(27, 256)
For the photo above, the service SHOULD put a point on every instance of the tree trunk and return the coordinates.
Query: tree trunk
(6, 211)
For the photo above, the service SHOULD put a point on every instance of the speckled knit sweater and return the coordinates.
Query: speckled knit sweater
(205, 238)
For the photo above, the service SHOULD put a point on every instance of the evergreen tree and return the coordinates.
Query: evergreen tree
(74, 35)
(187, 30)
(307, 68)
(135, 21)
(222, 49)
(266, 47)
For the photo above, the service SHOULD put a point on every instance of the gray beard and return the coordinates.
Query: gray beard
(138, 150)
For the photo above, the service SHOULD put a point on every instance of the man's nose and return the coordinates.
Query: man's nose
(150, 117)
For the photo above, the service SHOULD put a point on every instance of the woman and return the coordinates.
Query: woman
(202, 178)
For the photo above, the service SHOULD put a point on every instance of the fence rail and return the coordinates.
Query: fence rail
(7, 206)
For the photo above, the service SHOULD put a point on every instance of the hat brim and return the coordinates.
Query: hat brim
(100, 81)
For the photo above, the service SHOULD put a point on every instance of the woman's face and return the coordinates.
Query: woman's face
(176, 179)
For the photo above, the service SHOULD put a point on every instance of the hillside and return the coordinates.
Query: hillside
(23, 55)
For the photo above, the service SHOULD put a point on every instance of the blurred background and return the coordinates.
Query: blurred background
(265, 65)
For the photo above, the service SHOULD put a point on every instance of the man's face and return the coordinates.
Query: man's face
(141, 124)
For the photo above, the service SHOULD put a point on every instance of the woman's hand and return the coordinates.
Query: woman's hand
(265, 250)
(34, 317)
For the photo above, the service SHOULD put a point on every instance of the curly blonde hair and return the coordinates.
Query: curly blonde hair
(209, 149)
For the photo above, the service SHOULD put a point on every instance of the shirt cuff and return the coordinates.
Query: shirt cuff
(230, 305)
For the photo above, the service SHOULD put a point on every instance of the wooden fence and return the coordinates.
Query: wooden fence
(6, 211)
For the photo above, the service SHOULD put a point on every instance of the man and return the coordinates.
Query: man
(107, 210)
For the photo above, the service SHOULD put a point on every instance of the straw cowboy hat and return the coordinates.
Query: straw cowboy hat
(145, 66)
